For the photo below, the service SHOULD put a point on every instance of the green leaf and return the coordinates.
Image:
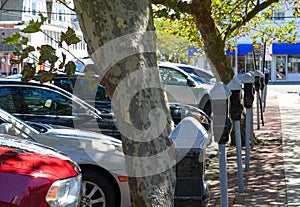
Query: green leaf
(70, 68)
(28, 72)
(70, 37)
(14, 39)
(62, 64)
(34, 26)
(47, 53)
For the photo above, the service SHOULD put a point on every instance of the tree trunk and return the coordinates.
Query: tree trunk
(213, 42)
(121, 41)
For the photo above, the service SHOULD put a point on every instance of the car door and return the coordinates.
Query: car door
(36, 104)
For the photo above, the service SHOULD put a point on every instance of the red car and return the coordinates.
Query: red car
(33, 175)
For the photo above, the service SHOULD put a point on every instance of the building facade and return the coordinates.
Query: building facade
(282, 59)
(59, 19)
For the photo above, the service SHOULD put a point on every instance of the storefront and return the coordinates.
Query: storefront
(286, 62)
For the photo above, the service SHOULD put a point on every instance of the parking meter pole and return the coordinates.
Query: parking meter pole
(248, 102)
(223, 175)
(236, 109)
(257, 86)
(219, 96)
(262, 86)
(267, 76)
(257, 77)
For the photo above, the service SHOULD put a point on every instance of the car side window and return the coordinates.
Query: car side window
(11, 100)
(44, 102)
(172, 77)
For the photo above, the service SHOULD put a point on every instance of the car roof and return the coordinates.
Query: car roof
(167, 64)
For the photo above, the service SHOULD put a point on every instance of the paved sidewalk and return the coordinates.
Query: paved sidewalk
(265, 184)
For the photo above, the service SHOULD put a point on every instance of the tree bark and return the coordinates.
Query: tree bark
(121, 41)
(213, 42)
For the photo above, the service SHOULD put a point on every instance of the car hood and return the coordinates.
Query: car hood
(85, 147)
(25, 157)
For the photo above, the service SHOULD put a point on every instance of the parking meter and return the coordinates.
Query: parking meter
(219, 96)
(236, 109)
(190, 138)
(248, 81)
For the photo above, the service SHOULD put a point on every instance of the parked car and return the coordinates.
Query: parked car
(206, 75)
(183, 88)
(50, 104)
(96, 96)
(35, 98)
(37, 176)
(100, 157)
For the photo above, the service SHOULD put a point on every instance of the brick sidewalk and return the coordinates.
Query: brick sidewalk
(265, 184)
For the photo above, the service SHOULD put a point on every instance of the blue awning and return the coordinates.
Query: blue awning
(286, 49)
(243, 49)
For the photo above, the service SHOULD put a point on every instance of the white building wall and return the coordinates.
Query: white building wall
(61, 19)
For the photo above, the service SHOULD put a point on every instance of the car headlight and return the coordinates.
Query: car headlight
(65, 193)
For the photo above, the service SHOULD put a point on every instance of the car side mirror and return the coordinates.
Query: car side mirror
(191, 82)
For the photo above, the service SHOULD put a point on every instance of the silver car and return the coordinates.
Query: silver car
(183, 88)
(104, 180)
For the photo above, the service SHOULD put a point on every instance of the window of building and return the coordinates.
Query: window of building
(278, 16)
(33, 6)
(294, 64)
(280, 67)
(60, 15)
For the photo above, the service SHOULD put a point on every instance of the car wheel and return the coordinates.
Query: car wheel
(96, 191)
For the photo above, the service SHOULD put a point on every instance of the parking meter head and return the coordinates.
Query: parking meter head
(219, 96)
(189, 133)
(248, 78)
(234, 85)
(189, 136)
(248, 90)
(258, 80)
(236, 107)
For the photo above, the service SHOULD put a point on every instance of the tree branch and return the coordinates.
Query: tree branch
(249, 16)
(64, 3)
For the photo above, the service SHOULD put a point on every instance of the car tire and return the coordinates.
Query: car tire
(97, 191)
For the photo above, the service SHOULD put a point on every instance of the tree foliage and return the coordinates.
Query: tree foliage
(214, 25)
(47, 54)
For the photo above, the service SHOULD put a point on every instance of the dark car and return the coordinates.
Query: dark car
(89, 90)
(50, 104)
(37, 176)
(33, 100)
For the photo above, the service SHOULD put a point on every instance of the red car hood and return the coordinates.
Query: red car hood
(31, 159)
